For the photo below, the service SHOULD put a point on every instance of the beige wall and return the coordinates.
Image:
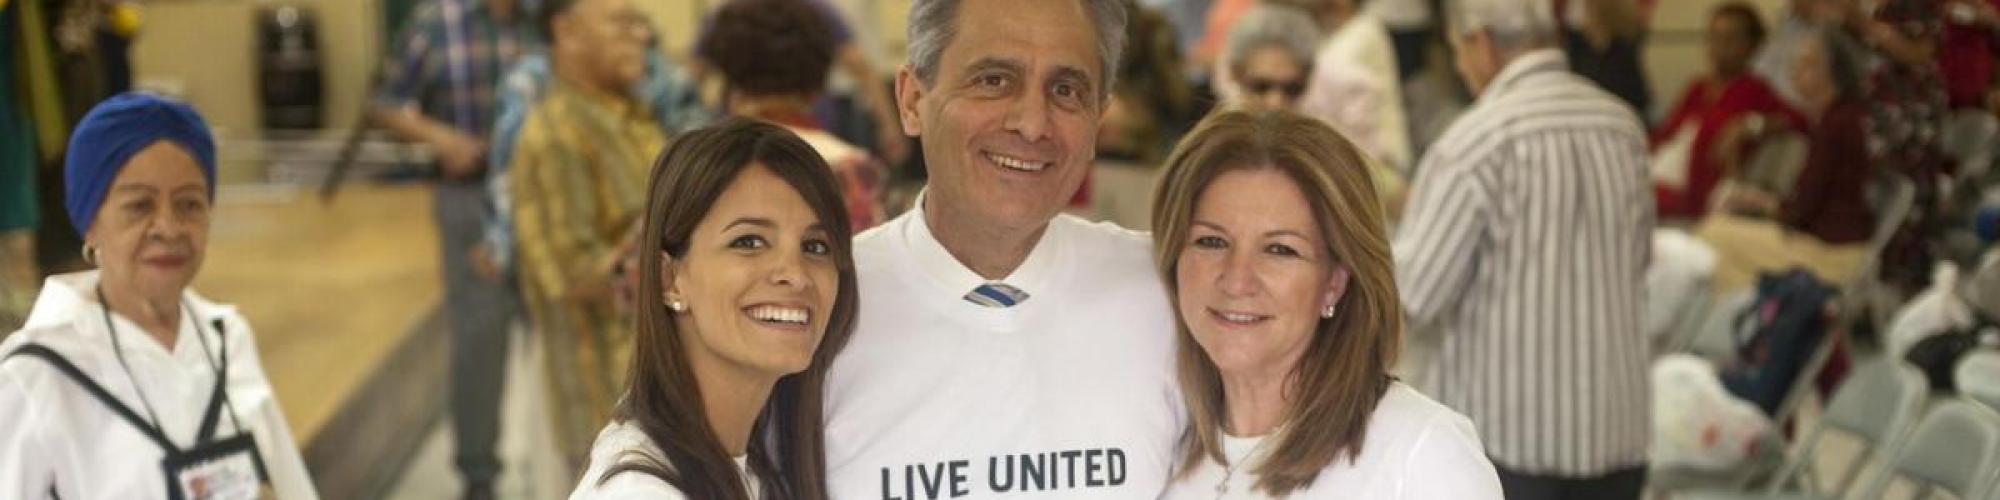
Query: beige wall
(204, 48)
(206, 51)
(677, 20)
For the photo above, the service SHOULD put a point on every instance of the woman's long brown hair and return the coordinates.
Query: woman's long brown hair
(1345, 369)
(786, 452)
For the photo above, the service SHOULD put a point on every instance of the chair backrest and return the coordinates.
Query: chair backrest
(1968, 137)
(1876, 404)
(1978, 377)
(1893, 196)
(1808, 377)
(1953, 448)
(1878, 401)
(1774, 166)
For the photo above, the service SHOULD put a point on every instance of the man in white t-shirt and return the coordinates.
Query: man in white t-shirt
(1003, 350)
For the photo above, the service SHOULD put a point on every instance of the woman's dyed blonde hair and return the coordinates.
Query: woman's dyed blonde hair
(1345, 369)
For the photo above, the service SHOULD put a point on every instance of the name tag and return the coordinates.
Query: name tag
(229, 469)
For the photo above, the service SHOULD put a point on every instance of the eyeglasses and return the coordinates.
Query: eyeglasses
(1259, 86)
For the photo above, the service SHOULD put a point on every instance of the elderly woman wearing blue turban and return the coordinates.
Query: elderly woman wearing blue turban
(124, 383)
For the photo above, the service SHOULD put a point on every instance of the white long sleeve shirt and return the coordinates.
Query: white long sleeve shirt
(56, 439)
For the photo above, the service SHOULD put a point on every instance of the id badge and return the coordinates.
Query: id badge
(229, 469)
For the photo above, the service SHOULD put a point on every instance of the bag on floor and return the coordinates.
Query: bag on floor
(1698, 424)
(1789, 319)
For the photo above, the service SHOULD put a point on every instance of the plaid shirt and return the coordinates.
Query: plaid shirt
(449, 59)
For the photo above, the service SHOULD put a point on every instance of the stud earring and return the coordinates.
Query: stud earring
(678, 306)
(1327, 313)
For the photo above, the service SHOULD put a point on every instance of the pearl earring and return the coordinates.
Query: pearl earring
(1327, 313)
(678, 306)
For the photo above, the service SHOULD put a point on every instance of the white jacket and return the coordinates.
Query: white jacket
(56, 438)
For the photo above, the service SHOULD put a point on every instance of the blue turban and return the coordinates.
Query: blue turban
(115, 131)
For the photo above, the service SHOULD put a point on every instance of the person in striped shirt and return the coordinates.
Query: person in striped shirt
(1524, 249)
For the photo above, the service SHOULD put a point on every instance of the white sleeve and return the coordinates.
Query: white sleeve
(626, 486)
(260, 411)
(1447, 462)
(27, 451)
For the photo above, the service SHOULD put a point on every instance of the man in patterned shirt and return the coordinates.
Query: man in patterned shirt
(578, 179)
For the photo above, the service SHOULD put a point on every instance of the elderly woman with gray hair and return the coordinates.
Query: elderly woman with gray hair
(1268, 64)
(1345, 71)
(1268, 58)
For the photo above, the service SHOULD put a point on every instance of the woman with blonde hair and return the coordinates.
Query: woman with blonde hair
(1271, 241)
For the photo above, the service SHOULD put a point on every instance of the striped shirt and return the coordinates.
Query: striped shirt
(1524, 246)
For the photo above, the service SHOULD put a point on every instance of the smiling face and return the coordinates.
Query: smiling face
(1255, 272)
(151, 232)
(1009, 123)
(759, 279)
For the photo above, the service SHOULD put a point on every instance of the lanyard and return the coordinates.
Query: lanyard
(218, 398)
(205, 450)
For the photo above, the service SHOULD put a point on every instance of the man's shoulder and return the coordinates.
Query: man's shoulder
(550, 122)
(1102, 237)
(880, 241)
(1551, 103)
(1109, 258)
(1566, 94)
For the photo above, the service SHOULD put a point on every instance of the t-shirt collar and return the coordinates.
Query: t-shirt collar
(1035, 275)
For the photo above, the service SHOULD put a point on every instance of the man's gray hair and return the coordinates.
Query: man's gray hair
(1272, 25)
(1514, 25)
(933, 26)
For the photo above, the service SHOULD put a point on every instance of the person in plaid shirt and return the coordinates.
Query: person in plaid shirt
(438, 89)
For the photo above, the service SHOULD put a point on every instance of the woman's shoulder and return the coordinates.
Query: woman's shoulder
(1414, 436)
(224, 321)
(34, 373)
(220, 316)
(617, 443)
(1410, 428)
(1403, 411)
(626, 486)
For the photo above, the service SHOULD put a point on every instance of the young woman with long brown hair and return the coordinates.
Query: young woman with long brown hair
(746, 292)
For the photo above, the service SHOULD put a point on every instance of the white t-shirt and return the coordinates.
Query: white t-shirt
(1416, 449)
(612, 447)
(1069, 394)
(58, 441)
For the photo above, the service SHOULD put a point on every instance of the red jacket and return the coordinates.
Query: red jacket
(1711, 111)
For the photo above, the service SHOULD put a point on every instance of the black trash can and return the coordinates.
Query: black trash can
(289, 66)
